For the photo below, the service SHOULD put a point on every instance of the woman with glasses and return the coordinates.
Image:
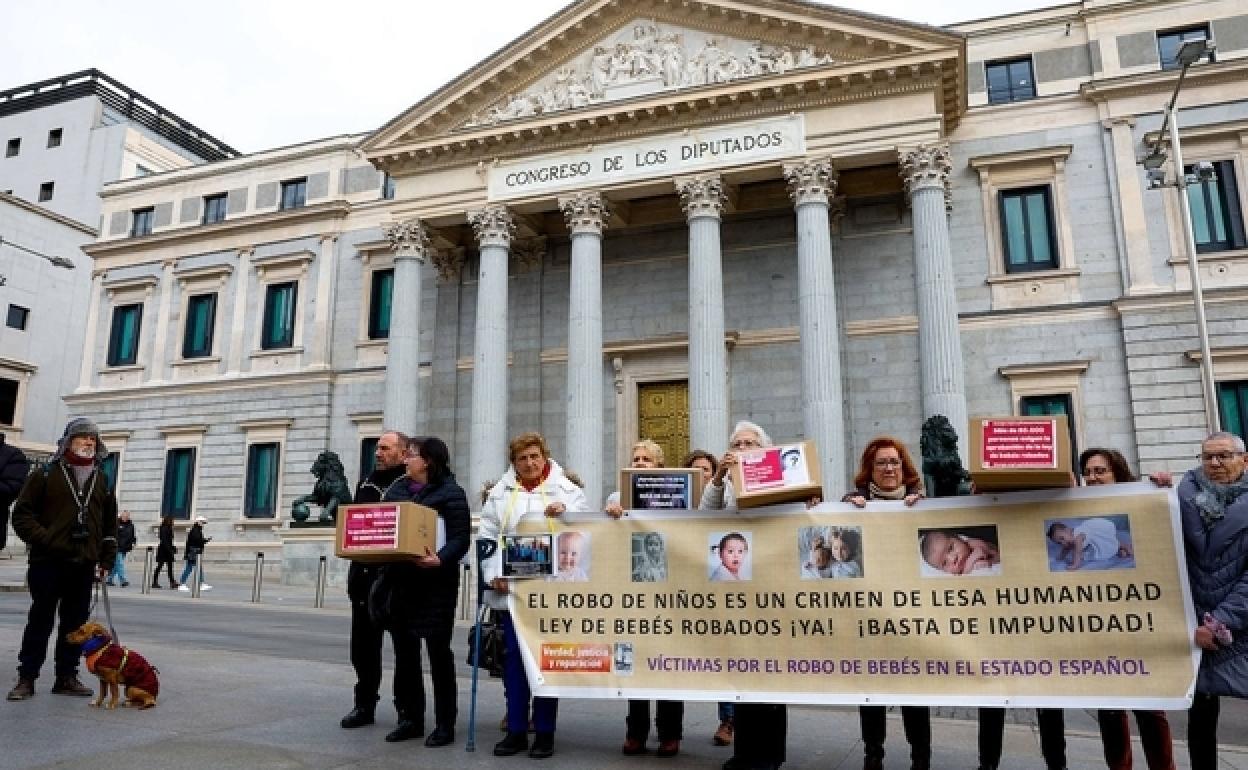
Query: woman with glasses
(1108, 466)
(886, 472)
(759, 727)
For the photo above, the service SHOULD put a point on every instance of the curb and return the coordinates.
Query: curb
(12, 588)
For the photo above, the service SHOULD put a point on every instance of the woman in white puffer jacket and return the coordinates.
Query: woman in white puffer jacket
(534, 486)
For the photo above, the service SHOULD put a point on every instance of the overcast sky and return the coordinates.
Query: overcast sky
(264, 73)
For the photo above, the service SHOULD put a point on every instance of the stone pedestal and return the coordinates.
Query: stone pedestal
(302, 549)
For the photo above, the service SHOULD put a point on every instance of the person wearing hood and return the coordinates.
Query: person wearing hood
(196, 540)
(126, 540)
(14, 468)
(67, 514)
(534, 486)
(416, 599)
(367, 638)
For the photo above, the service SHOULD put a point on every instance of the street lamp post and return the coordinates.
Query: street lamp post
(1189, 53)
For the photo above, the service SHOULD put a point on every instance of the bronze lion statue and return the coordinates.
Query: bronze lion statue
(943, 473)
(330, 491)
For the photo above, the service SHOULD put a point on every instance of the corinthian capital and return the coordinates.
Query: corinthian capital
(493, 225)
(701, 196)
(813, 181)
(927, 167)
(585, 212)
(409, 239)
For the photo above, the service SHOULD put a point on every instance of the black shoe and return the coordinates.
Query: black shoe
(125, 584)
(23, 690)
(405, 731)
(358, 717)
(873, 762)
(69, 685)
(512, 743)
(441, 736)
(543, 746)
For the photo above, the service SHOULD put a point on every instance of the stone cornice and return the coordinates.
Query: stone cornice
(1032, 370)
(227, 383)
(1057, 152)
(1162, 81)
(22, 203)
(1206, 131)
(258, 223)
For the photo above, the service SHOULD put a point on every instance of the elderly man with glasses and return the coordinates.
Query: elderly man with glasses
(1213, 502)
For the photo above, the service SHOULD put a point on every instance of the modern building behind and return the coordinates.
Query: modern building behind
(61, 140)
(832, 223)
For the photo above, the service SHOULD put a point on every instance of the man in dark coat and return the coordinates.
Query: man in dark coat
(126, 539)
(13, 471)
(366, 636)
(68, 515)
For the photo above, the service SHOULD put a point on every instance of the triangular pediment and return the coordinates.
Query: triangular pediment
(601, 55)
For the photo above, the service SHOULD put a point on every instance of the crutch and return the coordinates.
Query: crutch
(485, 550)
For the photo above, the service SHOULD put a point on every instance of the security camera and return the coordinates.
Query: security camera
(1204, 171)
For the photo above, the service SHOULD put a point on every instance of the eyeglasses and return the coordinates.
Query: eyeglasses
(888, 463)
(746, 443)
(1221, 458)
(1096, 471)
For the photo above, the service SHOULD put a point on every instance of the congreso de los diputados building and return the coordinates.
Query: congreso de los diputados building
(654, 218)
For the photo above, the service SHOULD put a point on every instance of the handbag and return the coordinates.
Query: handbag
(491, 658)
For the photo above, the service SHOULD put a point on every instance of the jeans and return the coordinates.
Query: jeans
(186, 571)
(57, 588)
(516, 689)
(118, 574)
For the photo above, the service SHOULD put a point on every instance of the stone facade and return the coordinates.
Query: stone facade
(903, 160)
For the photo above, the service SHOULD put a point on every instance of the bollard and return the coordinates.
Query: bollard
(147, 570)
(258, 578)
(196, 578)
(463, 591)
(322, 570)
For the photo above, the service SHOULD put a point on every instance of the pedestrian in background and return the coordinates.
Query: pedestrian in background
(13, 471)
(125, 544)
(166, 552)
(195, 542)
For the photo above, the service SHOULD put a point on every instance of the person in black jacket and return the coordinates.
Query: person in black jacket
(125, 544)
(366, 636)
(68, 516)
(166, 552)
(14, 468)
(419, 596)
(195, 542)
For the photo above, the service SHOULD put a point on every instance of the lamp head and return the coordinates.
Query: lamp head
(1193, 51)
(1154, 160)
(1156, 178)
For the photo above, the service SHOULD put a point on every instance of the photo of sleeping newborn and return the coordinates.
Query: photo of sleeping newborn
(1091, 543)
(829, 552)
(959, 551)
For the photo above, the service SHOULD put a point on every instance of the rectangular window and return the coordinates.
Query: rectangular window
(1233, 407)
(141, 170)
(279, 316)
(123, 337)
(201, 316)
(379, 304)
(179, 483)
(141, 221)
(17, 317)
(1168, 44)
(13, 147)
(387, 187)
(1217, 221)
(261, 496)
(108, 466)
(54, 138)
(8, 400)
(46, 191)
(1039, 406)
(214, 208)
(294, 193)
(1010, 81)
(1027, 229)
(368, 449)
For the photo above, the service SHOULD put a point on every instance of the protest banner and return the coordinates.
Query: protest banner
(957, 601)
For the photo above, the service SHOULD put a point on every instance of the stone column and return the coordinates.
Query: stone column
(811, 185)
(91, 348)
(926, 174)
(402, 409)
(702, 198)
(586, 215)
(494, 229)
(238, 340)
(160, 343)
(321, 348)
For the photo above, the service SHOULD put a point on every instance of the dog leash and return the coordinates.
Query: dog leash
(101, 589)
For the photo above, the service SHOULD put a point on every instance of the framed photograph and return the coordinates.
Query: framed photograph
(528, 556)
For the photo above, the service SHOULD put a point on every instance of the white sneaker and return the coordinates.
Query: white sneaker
(183, 587)
(205, 587)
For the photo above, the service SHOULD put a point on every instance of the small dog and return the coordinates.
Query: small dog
(117, 667)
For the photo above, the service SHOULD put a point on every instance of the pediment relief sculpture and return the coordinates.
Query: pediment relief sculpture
(647, 57)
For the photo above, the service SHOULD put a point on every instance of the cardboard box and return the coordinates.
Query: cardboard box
(660, 489)
(785, 473)
(1017, 453)
(373, 532)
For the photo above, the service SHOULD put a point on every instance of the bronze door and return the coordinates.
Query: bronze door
(663, 417)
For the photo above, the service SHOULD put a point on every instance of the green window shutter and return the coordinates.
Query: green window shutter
(262, 470)
(279, 316)
(379, 305)
(179, 482)
(201, 313)
(1233, 407)
(123, 338)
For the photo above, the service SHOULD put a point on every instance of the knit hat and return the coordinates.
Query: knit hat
(80, 426)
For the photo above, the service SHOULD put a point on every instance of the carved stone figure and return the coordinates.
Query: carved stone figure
(330, 490)
(943, 474)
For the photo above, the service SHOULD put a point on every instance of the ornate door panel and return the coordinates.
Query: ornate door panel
(663, 416)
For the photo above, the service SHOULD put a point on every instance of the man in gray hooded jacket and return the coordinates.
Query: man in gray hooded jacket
(68, 515)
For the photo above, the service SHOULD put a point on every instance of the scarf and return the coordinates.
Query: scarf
(882, 494)
(1212, 498)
